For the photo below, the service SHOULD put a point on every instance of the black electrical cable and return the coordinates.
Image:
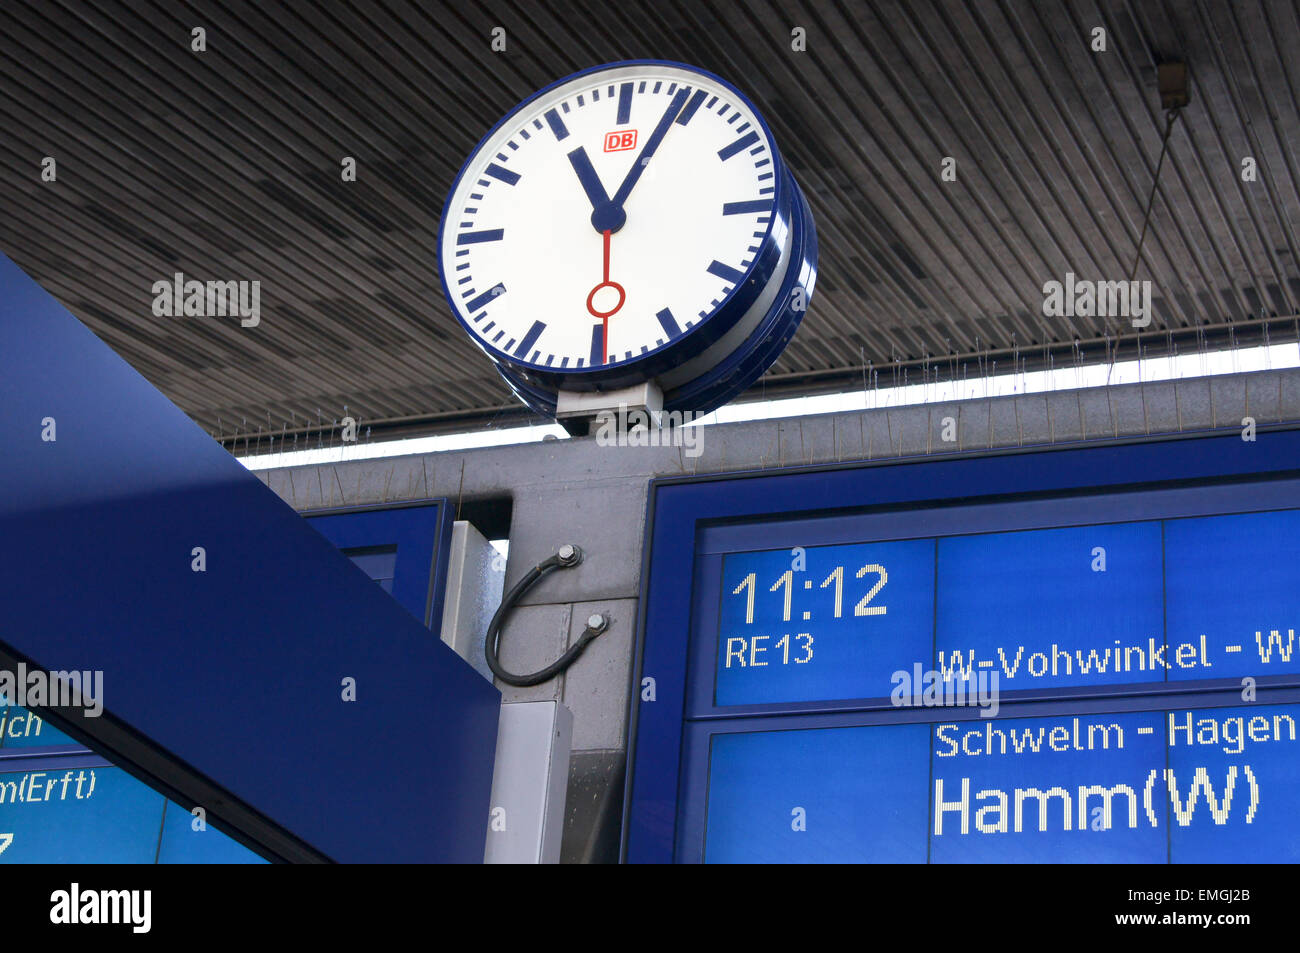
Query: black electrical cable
(1170, 116)
(567, 557)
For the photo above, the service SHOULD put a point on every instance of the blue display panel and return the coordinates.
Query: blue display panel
(70, 809)
(1184, 785)
(816, 625)
(1143, 591)
(403, 548)
(1233, 586)
(863, 788)
(1106, 604)
(59, 803)
(20, 728)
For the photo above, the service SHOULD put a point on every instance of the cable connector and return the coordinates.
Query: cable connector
(566, 557)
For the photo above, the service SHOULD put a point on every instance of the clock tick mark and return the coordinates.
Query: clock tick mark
(726, 273)
(503, 174)
(557, 125)
(530, 339)
(744, 208)
(486, 298)
(476, 238)
(624, 104)
(668, 323)
(740, 144)
(691, 107)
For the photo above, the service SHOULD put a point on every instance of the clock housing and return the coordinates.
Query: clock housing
(631, 222)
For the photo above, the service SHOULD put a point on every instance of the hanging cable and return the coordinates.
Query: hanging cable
(1170, 116)
(566, 557)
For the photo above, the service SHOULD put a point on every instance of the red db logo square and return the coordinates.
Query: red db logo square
(620, 141)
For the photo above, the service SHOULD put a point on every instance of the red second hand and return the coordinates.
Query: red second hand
(591, 298)
(604, 321)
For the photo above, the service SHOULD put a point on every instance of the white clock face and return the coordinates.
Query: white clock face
(608, 217)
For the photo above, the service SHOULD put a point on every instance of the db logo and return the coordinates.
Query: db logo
(620, 141)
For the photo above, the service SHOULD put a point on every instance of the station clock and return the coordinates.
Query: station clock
(634, 222)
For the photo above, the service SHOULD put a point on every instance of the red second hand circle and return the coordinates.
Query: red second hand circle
(591, 299)
(622, 296)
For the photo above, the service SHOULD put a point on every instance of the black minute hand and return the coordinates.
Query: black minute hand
(651, 145)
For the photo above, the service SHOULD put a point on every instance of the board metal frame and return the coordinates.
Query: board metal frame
(666, 787)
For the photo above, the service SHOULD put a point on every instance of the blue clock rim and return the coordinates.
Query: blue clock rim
(502, 358)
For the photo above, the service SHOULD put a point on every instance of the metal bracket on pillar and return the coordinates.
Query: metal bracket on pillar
(577, 411)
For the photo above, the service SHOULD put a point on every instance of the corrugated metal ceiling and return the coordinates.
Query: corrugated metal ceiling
(225, 164)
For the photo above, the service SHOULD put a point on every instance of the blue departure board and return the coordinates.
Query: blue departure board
(60, 803)
(1184, 785)
(1155, 601)
(84, 810)
(1078, 655)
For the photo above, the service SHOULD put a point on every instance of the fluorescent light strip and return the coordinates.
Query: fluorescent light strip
(1149, 370)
